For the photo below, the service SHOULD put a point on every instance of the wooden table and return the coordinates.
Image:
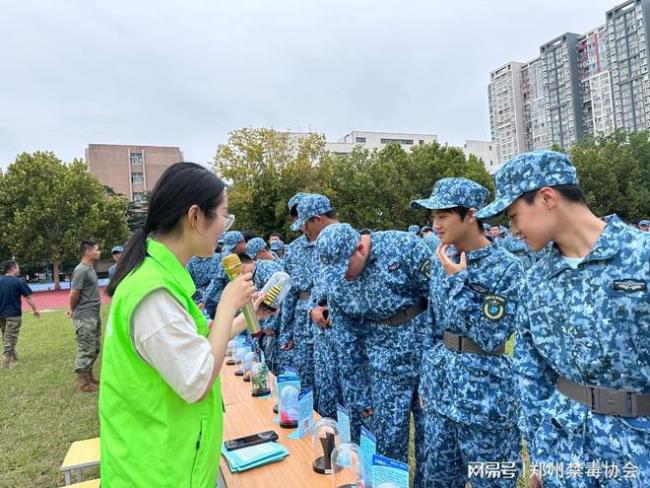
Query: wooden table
(246, 415)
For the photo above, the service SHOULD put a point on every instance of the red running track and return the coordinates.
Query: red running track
(50, 300)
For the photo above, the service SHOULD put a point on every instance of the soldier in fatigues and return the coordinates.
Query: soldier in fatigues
(233, 242)
(467, 385)
(301, 284)
(378, 292)
(315, 213)
(582, 356)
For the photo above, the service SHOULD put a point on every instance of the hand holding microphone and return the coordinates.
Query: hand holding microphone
(243, 283)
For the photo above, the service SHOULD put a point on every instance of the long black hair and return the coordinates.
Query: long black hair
(180, 186)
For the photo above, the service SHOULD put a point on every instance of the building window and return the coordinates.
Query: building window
(360, 140)
(137, 178)
(406, 142)
(421, 141)
(138, 196)
(136, 158)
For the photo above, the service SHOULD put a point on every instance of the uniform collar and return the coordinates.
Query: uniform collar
(480, 253)
(163, 256)
(607, 245)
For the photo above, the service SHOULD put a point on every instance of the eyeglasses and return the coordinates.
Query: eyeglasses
(230, 219)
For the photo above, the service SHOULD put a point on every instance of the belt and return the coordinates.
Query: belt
(304, 295)
(455, 342)
(405, 315)
(606, 401)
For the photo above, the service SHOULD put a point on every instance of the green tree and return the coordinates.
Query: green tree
(136, 212)
(613, 172)
(49, 207)
(264, 168)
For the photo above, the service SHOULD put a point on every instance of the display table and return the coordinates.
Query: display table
(246, 415)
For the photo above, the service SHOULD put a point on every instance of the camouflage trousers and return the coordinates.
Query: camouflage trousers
(455, 450)
(88, 331)
(598, 451)
(10, 327)
(393, 367)
(325, 373)
(303, 350)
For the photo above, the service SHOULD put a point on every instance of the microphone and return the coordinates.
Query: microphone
(232, 267)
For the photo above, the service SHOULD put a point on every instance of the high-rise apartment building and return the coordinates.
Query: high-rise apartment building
(589, 84)
(506, 111)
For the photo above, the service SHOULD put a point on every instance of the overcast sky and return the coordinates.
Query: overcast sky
(185, 73)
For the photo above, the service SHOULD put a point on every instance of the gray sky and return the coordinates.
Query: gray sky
(185, 73)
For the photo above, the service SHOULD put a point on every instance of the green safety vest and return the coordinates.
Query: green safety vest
(150, 436)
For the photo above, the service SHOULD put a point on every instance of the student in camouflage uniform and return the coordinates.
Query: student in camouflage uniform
(582, 356)
(378, 292)
(317, 360)
(233, 242)
(467, 383)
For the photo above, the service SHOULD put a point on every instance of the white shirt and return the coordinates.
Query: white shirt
(165, 336)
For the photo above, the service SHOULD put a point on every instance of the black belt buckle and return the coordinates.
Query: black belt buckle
(611, 402)
(453, 341)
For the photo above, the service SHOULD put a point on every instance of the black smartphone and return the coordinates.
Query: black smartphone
(326, 314)
(251, 440)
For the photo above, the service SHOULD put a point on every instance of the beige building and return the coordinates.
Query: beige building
(130, 170)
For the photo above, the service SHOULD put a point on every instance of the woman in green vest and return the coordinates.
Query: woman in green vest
(160, 405)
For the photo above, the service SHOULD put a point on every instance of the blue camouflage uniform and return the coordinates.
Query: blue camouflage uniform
(468, 396)
(202, 271)
(324, 367)
(219, 280)
(586, 321)
(301, 283)
(295, 325)
(254, 246)
(264, 269)
(379, 354)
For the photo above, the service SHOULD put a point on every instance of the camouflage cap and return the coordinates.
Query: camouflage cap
(117, 250)
(231, 239)
(527, 172)
(254, 246)
(335, 246)
(414, 229)
(454, 192)
(644, 223)
(311, 205)
(295, 200)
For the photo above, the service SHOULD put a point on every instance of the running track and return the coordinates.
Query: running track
(51, 300)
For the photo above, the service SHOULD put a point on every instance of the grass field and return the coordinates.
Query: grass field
(41, 413)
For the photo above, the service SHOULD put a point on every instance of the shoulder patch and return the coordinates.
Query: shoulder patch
(494, 307)
(629, 285)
